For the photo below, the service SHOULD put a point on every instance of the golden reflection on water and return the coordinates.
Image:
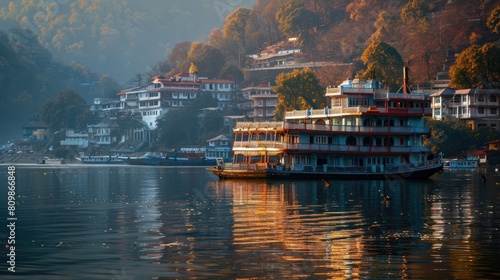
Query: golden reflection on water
(303, 239)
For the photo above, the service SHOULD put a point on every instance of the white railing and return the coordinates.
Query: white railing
(306, 147)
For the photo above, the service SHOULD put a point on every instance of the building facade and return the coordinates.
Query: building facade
(475, 107)
(263, 100)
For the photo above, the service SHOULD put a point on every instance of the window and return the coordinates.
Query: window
(353, 102)
(480, 110)
(321, 140)
(493, 111)
(493, 98)
(437, 112)
(480, 98)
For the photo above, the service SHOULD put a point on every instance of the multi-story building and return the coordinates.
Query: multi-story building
(163, 94)
(475, 107)
(264, 101)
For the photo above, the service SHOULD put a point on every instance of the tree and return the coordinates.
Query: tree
(477, 67)
(64, 111)
(493, 21)
(383, 63)
(209, 60)
(231, 72)
(179, 54)
(299, 89)
(178, 127)
(415, 14)
(234, 31)
(296, 21)
(444, 135)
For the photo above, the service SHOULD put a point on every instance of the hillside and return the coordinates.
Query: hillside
(118, 37)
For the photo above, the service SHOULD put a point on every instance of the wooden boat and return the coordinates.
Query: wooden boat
(365, 133)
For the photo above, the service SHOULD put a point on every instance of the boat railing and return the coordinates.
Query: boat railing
(357, 128)
(340, 110)
(352, 148)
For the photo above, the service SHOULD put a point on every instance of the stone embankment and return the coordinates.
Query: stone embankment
(26, 158)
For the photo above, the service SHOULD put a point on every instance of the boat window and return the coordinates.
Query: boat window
(351, 141)
(367, 141)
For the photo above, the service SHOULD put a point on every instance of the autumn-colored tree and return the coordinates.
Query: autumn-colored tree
(493, 21)
(297, 21)
(477, 67)
(234, 31)
(299, 89)
(415, 14)
(384, 63)
(209, 60)
(179, 53)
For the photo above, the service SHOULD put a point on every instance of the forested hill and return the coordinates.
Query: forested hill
(118, 37)
(29, 76)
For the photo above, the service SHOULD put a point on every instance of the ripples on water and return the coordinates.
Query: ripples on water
(123, 222)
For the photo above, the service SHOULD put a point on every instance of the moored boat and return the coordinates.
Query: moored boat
(101, 159)
(47, 160)
(461, 163)
(364, 133)
(173, 158)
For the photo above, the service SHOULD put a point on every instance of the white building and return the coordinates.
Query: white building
(218, 147)
(475, 107)
(264, 101)
(162, 94)
(78, 139)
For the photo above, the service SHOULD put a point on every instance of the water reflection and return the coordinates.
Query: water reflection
(163, 223)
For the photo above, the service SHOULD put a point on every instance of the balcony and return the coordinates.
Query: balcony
(326, 148)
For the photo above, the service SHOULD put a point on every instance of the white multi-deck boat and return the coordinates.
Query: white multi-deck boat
(365, 132)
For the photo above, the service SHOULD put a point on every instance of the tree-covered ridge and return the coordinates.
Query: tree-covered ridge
(125, 37)
(29, 77)
(118, 37)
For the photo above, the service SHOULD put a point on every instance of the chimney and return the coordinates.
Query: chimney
(405, 80)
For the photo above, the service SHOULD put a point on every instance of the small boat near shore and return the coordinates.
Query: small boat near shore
(47, 160)
(461, 163)
(365, 133)
(171, 159)
(101, 159)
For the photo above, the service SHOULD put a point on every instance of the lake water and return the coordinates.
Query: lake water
(130, 222)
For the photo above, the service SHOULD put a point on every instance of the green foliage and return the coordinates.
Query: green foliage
(29, 77)
(454, 139)
(179, 127)
(299, 89)
(65, 111)
(231, 72)
(64, 152)
(384, 63)
(477, 67)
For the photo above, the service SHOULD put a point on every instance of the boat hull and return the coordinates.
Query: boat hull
(421, 173)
